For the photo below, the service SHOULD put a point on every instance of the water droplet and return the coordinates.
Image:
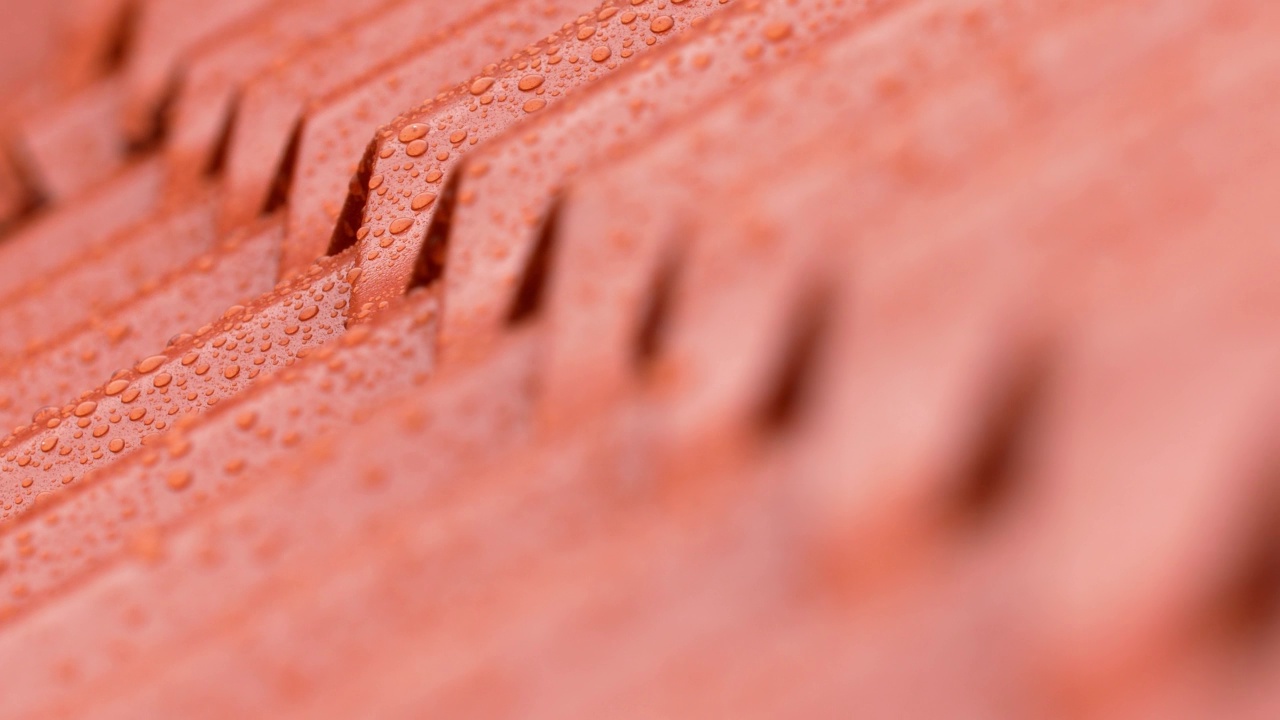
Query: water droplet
(662, 23)
(530, 82)
(308, 313)
(399, 225)
(416, 148)
(777, 30)
(480, 85)
(602, 53)
(535, 105)
(150, 364)
(178, 479)
(85, 408)
(422, 201)
(412, 132)
(115, 387)
(231, 371)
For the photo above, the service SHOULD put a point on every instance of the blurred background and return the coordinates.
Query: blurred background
(640, 359)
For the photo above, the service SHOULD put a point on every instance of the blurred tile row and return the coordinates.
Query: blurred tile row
(645, 358)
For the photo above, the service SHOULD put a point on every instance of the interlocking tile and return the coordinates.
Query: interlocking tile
(64, 234)
(724, 358)
(76, 144)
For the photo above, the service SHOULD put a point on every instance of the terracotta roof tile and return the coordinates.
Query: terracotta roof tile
(744, 358)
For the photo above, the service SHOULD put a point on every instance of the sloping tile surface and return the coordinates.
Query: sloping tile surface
(639, 358)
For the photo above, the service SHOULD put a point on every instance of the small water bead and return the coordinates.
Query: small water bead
(777, 30)
(85, 408)
(412, 132)
(44, 414)
(150, 364)
(178, 479)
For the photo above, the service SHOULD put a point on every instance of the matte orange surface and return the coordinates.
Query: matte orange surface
(639, 358)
